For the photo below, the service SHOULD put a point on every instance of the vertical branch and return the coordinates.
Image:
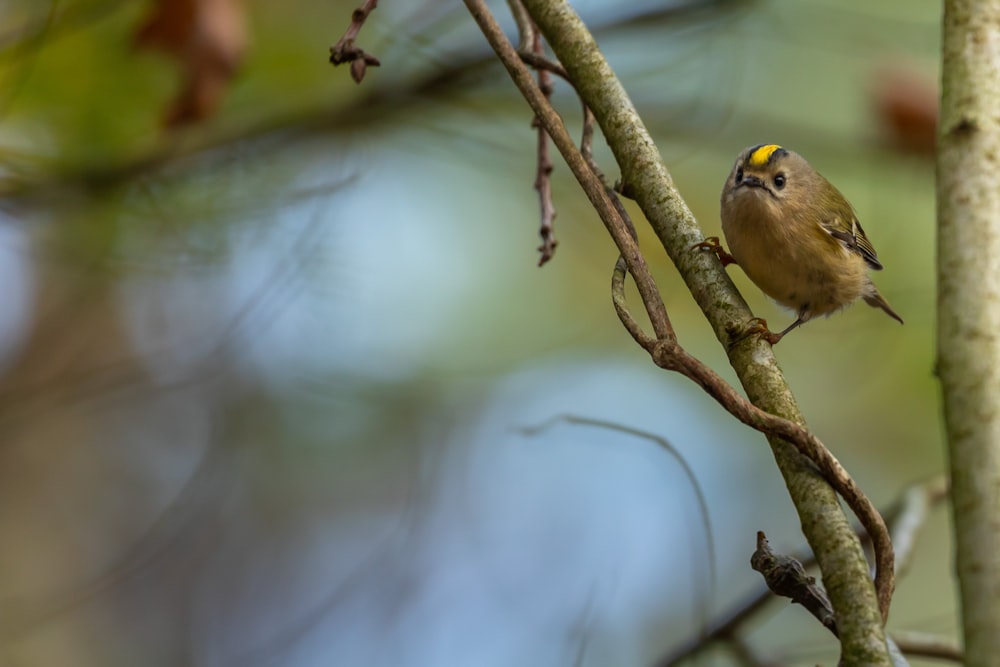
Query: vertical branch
(969, 307)
(543, 182)
(530, 45)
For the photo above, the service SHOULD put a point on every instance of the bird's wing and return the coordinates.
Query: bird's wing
(853, 237)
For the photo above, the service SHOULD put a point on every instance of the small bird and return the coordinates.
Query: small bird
(796, 237)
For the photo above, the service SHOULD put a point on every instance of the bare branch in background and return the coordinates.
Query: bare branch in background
(923, 645)
(667, 447)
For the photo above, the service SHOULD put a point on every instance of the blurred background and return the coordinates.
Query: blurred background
(281, 382)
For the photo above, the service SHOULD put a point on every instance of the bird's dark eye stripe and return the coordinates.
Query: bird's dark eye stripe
(739, 174)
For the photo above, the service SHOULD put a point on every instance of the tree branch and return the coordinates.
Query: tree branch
(531, 42)
(824, 524)
(968, 323)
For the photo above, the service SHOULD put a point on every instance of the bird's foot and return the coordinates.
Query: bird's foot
(758, 326)
(712, 244)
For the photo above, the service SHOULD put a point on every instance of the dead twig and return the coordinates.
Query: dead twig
(785, 576)
(346, 51)
(543, 181)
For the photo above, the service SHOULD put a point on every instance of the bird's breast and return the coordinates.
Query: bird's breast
(797, 265)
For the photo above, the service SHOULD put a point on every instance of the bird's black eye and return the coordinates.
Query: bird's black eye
(779, 181)
(739, 174)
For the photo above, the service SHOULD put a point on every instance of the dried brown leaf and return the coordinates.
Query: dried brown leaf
(208, 38)
(906, 106)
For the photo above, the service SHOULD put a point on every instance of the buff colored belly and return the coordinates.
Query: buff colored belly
(796, 280)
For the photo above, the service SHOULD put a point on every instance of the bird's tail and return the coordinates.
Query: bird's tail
(876, 300)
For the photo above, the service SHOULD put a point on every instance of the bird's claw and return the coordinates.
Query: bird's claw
(758, 326)
(713, 245)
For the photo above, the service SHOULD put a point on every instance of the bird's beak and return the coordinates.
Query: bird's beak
(752, 181)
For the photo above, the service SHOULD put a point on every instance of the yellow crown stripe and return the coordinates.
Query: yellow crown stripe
(760, 156)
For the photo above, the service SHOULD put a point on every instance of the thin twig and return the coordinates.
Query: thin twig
(587, 150)
(526, 29)
(621, 307)
(543, 181)
(674, 453)
(346, 51)
(587, 142)
(541, 62)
